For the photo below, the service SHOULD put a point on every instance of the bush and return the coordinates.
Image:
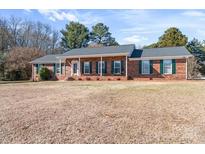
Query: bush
(88, 78)
(44, 73)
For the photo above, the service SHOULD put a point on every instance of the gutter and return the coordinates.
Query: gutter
(96, 55)
(161, 57)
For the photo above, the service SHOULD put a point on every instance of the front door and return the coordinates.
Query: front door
(75, 68)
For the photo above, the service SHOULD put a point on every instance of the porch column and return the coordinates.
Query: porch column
(126, 66)
(101, 67)
(60, 68)
(79, 68)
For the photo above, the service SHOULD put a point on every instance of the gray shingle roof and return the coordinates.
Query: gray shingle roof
(48, 59)
(161, 52)
(118, 50)
(121, 50)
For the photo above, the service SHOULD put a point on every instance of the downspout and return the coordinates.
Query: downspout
(65, 67)
(101, 67)
(79, 73)
(60, 68)
(186, 70)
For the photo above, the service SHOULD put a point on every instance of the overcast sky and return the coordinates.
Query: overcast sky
(140, 27)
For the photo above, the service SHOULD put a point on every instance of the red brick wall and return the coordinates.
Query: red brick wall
(94, 75)
(133, 71)
(50, 67)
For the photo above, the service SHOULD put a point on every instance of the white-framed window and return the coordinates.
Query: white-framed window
(117, 67)
(86, 67)
(99, 67)
(58, 68)
(145, 67)
(167, 64)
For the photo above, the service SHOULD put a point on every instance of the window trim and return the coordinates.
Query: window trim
(99, 63)
(142, 67)
(164, 66)
(88, 66)
(117, 67)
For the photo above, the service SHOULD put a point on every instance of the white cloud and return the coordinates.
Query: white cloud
(134, 39)
(28, 10)
(194, 13)
(51, 18)
(55, 15)
(86, 18)
(139, 30)
(89, 18)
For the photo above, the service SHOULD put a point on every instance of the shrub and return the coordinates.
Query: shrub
(130, 78)
(88, 78)
(118, 78)
(44, 73)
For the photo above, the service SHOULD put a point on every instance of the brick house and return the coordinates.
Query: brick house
(123, 62)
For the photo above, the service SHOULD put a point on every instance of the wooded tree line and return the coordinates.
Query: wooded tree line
(21, 41)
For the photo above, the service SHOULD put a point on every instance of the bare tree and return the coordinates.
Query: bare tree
(18, 38)
(55, 43)
(4, 36)
(18, 62)
(14, 28)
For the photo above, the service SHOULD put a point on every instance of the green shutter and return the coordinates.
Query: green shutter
(82, 67)
(112, 70)
(96, 67)
(140, 67)
(173, 66)
(105, 70)
(161, 67)
(151, 66)
(39, 68)
(122, 66)
(90, 67)
(61, 68)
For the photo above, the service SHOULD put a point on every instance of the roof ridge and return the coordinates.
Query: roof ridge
(97, 47)
(164, 47)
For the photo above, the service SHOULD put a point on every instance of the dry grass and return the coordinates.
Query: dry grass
(103, 112)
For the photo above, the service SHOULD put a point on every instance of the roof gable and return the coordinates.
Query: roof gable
(47, 59)
(161, 52)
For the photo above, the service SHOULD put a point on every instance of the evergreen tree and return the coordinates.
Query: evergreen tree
(100, 35)
(198, 50)
(75, 35)
(172, 37)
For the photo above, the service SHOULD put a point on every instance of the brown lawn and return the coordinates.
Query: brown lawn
(103, 112)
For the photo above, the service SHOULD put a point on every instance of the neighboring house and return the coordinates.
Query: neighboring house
(116, 63)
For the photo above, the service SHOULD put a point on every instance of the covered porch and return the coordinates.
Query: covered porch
(96, 68)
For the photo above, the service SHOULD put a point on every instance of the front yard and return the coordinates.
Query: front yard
(103, 112)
